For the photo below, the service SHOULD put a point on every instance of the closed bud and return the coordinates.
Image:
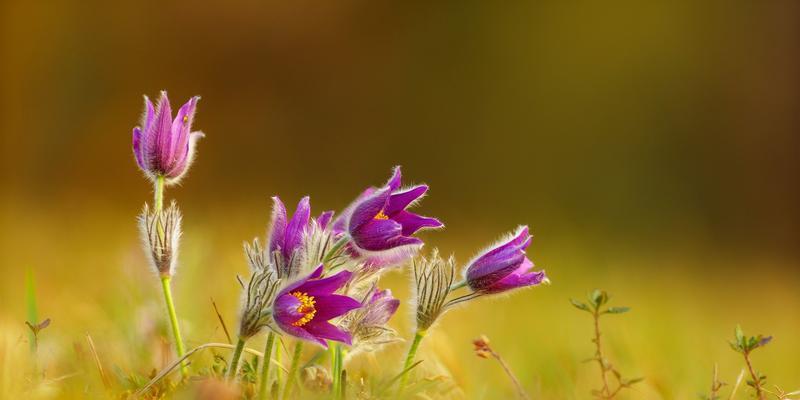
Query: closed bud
(161, 232)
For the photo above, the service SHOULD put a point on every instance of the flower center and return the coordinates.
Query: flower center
(306, 308)
(381, 215)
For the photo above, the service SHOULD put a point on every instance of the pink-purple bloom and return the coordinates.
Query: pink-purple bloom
(380, 222)
(286, 235)
(163, 146)
(379, 308)
(504, 266)
(303, 309)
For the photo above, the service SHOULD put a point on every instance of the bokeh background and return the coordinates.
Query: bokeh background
(652, 147)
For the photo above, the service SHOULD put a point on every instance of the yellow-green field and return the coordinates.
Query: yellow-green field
(91, 278)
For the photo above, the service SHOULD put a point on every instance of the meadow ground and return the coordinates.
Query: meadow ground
(91, 277)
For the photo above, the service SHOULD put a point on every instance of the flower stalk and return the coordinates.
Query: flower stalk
(264, 381)
(412, 352)
(237, 354)
(290, 378)
(173, 320)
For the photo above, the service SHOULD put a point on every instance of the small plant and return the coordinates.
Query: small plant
(484, 350)
(36, 328)
(716, 385)
(745, 345)
(595, 306)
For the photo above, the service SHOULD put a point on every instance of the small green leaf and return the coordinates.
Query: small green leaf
(617, 310)
(579, 305)
(739, 336)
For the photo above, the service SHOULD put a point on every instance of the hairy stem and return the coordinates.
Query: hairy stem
(599, 356)
(173, 319)
(754, 376)
(263, 383)
(158, 193)
(412, 351)
(287, 390)
(458, 285)
(237, 354)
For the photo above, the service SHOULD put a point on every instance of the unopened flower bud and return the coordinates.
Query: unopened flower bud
(161, 232)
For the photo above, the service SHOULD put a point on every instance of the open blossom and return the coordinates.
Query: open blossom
(504, 266)
(303, 309)
(285, 236)
(379, 222)
(162, 146)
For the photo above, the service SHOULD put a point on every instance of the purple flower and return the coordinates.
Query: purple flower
(164, 147)
(504, 266)
(379, 308)
(303, 308)
(285, 235)
(379, 221)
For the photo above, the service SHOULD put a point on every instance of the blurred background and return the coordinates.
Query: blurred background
(651, 146)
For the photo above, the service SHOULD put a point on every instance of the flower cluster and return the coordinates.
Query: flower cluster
(318, 279)
(330, 268)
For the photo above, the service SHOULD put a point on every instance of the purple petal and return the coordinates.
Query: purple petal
(343, 220)
(149, 114)
(285, 309)
(180, 133)
(163, 130)
(323, 329)
(400, 200)
(137, 148)
(277, 230)
(325, 286)
(498, 262)
(366, 211)
(182, 163)
(302, 333)
(333, 305)
(521, 277)
(324, 219)
(296, 227)
(396, 180)
(412, 222)
(378, 234)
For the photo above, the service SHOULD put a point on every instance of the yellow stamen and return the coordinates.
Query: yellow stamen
(306, 308)
(185, 119)
(381, 215)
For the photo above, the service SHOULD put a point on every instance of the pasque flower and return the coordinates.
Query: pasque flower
(303, 309)
(163, 146)
(285, 236)
(380, 222)
(368, 324)
(504, 266)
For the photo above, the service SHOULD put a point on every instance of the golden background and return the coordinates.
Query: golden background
(652, 147)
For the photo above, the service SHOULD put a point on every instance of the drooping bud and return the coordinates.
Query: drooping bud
(160, 232)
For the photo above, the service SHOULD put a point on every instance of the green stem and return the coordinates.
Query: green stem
(158, 193)
(458, 285)
(263, 384)
(173, 319)
(234, 365)
(298, 349)
(337, 370)
(412, 351)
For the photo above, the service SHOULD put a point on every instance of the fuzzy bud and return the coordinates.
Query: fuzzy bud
(161, 232)
(258, 295)
(433, 278)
